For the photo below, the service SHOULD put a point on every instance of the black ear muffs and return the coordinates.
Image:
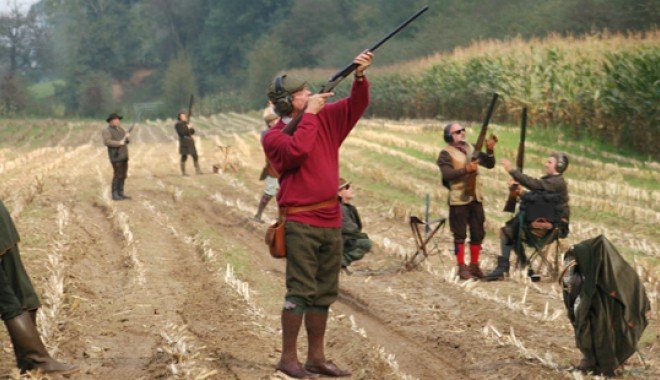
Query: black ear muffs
(447, 135)
(562, 162)
(283, 101)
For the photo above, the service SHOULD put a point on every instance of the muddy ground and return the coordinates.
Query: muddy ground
(177, 283)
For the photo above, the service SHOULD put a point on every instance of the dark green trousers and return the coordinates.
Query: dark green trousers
(16, 291)
(312, 264)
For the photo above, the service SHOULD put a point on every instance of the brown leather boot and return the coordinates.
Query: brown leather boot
(476, 271)
(289, 363)
(33, 316)
(30, 351)
(464, 272)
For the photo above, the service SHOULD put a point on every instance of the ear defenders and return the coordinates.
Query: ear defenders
(447, 135)
(283, 102)
(562, 162)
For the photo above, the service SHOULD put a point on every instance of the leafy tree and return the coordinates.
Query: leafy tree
(266, 59)
(24, 42)
(107, 36)
(179, 83)
(231, 29)
(96, 95)
(13, 95)
(177, 25)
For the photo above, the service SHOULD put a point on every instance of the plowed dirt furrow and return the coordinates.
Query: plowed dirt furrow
(407, 332)
(178, 279)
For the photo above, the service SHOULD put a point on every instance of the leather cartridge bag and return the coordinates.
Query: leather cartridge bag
(275, 232)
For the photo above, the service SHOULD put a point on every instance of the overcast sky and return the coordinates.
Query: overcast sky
(23, 5)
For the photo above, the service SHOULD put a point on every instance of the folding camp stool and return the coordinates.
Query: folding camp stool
(540, 235)
(421, 253)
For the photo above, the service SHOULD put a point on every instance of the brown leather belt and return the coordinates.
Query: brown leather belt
(284, 211)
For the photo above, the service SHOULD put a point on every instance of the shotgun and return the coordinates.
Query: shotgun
(471, 181)
(130, 130)
(137, 118)
(510, 205)
(190, 106)
(346, 71)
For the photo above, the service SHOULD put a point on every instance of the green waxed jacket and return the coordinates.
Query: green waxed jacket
(8, 234)
(112, 137)
(17, 280)
(611, 314)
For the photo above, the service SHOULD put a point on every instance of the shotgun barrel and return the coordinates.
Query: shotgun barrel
(510, 205)
(290, 128)
(471, 181)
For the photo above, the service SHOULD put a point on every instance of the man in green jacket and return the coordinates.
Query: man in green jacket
(356, 242)
(116, 139)
(19, 303)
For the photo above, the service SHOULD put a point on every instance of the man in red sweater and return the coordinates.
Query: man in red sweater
(308, 163)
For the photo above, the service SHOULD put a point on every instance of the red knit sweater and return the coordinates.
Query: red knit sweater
(308, 161)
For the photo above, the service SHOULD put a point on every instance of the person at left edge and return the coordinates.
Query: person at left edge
(308, 165)
(19, 303)
(115, 138)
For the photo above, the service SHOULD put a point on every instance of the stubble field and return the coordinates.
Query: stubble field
(177, 283)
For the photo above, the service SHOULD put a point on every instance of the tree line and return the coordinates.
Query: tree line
(110, 54)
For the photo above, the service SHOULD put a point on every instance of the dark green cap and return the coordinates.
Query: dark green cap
(289, 84)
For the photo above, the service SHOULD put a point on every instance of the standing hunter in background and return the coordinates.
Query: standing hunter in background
(465, 210)
(308, 163)
(185, 131)
(116, 139)
(269, 174)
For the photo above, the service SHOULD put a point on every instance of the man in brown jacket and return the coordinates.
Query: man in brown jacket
(116, 139)
(464, 210)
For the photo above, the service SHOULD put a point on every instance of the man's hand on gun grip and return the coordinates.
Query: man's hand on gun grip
(471, 167)
(316, 102)
(515, 187)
